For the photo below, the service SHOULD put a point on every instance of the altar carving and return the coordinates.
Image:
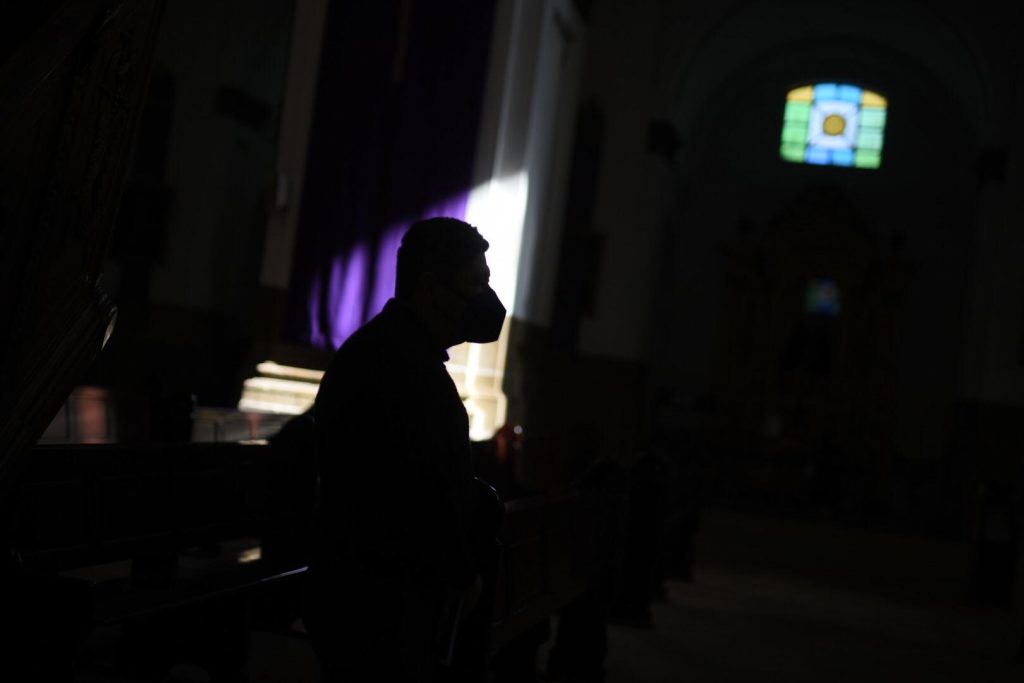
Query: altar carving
(807, 355)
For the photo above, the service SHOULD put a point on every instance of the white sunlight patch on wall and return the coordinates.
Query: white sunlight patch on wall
(497, 208)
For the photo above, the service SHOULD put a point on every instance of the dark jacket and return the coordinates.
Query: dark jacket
(396, 476)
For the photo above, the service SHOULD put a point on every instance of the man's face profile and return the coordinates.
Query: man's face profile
(453, 291)
(473, 277)
(443, 275)
(465, 302)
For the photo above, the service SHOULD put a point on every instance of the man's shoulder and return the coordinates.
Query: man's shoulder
(366, 340)
(366, 354)
(361, 352)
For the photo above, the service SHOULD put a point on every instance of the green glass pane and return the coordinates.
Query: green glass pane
(793, 152)
(795, 133)
(798, 112)
(867, 159)
(870, 140)
(872, 117)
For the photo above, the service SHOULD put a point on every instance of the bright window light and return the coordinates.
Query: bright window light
(834, 124)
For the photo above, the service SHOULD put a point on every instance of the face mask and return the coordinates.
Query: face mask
(482, 318)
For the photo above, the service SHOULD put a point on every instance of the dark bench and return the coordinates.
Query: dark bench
(109, 534)
(136, 532)
(553, 550)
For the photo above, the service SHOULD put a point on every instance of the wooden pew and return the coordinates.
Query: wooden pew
(128, 534)
(87, 505)
(552, 551)
(137, 532)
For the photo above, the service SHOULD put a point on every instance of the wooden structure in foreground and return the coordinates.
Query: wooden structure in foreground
(136, 535)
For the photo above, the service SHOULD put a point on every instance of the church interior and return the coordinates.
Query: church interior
(756, 412)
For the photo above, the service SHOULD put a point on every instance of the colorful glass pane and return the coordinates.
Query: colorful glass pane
(834, 124)
(822, 297)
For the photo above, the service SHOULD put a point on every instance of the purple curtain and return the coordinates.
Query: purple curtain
(393, 139)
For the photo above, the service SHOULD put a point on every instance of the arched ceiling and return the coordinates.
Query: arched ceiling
(722, 50)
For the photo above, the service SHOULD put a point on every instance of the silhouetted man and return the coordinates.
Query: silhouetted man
(396, 480)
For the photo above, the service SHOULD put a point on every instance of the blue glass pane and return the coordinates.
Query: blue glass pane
(817, 155)
(842, 157)
(850, 93)
(822, 297)
(826, 91)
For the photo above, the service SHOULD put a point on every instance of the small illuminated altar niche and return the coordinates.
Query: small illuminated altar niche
(280, 389)
(834, 124)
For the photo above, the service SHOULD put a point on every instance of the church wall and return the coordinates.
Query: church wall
(995, 371)
(185, 256)
(223, 135)
(293, 140)
(632, 189)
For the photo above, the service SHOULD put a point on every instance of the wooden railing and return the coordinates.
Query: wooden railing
(552, 550)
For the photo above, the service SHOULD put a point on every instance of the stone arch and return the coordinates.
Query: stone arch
(730, 39)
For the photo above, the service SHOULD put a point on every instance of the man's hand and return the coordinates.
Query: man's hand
(471, 596)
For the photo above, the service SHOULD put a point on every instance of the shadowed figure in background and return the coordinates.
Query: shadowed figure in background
(392, 550)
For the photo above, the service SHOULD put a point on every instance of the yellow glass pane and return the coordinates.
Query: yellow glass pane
(834, 125)
(873, 99)
(805, 94)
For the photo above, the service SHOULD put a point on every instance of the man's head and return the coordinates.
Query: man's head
(443, 276)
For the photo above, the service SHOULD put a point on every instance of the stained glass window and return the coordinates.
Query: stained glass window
(822, 297)
(834, 124)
